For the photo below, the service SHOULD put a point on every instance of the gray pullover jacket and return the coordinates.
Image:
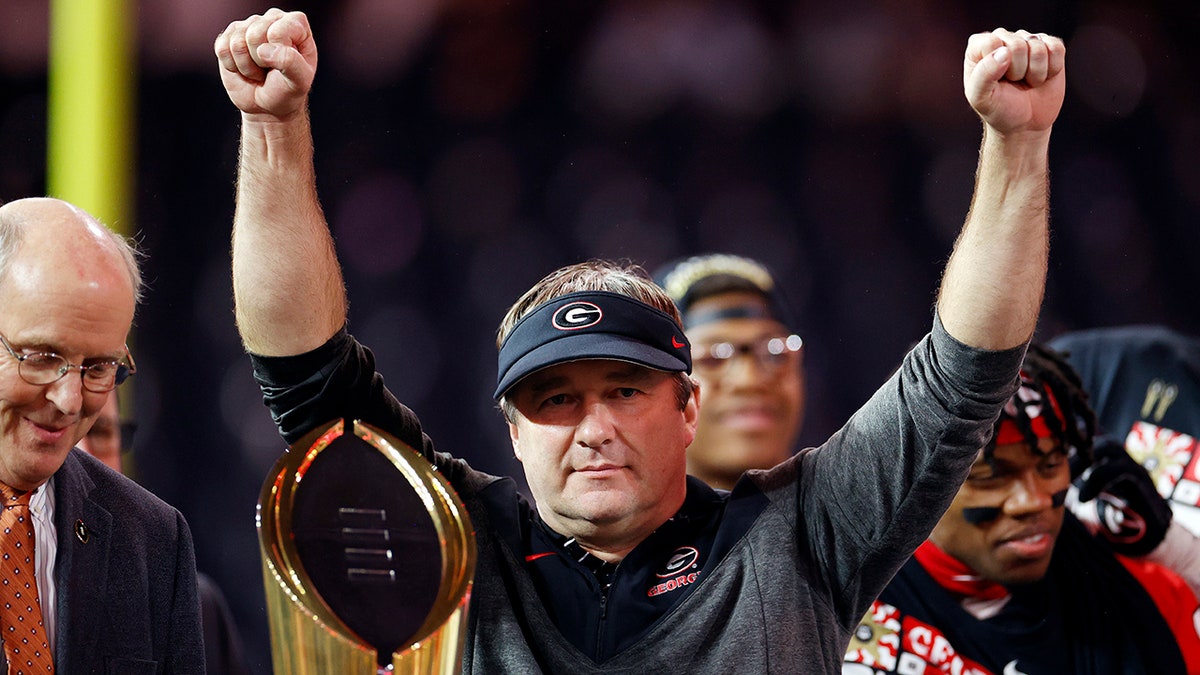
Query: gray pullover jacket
(791, 558)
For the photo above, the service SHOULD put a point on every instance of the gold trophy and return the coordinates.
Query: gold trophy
(368, 557)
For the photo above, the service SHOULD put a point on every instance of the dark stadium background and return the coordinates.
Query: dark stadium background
(466, 148)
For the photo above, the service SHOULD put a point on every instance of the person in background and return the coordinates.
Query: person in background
(114, 566)
(1142, 496)
(622, 563)
(107, 440)
(748, 360)
(1010, 582)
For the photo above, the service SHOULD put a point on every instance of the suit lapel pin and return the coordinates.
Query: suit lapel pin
(81, 531)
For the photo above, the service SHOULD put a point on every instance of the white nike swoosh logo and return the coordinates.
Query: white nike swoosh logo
(1011, 668)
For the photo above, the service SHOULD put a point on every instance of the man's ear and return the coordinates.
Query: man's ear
(514, 435)
(691, 412)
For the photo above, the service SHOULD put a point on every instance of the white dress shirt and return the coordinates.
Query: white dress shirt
(41, 508)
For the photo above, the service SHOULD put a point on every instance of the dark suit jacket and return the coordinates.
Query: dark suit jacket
(126, 577)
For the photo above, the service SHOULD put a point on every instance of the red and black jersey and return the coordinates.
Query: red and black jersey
(1087, 615)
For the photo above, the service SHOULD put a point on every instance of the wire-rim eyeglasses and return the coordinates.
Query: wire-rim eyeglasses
(42, 368)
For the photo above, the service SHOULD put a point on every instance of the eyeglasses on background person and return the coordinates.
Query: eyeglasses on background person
(47, 367)
(771, 354)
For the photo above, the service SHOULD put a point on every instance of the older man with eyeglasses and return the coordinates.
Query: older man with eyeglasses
(101, 571)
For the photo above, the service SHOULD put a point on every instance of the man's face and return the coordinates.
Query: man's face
(1015, 547)
(103, 440)
(753, 409)
(602, 443)
(73, 309)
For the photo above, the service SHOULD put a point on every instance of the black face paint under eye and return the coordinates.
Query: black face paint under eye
(978, 515)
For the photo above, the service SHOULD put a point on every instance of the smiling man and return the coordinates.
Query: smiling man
(622, 563)
(115, 572)
(748, 360)
(1010, 582)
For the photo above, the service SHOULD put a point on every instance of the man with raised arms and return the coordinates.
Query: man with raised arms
(621, 563)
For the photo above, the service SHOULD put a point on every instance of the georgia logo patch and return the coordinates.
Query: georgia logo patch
(1121, 523)
(681, 569)
(576, 315)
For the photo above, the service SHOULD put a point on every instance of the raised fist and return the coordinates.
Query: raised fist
(1119, 502)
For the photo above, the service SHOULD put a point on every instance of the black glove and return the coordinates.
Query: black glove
(1132, 517)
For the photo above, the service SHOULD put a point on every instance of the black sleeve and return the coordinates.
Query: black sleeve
(334, 381)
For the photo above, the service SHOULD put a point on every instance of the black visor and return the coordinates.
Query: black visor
(592, 325)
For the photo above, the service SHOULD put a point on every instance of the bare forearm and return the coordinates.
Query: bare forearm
(992, 289)
(288, 288)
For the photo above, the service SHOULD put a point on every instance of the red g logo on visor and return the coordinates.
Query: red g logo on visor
(576, 315)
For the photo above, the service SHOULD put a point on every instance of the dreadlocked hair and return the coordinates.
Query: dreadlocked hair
(1072, 423)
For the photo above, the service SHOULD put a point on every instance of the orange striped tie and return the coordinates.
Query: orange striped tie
(25, 644)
